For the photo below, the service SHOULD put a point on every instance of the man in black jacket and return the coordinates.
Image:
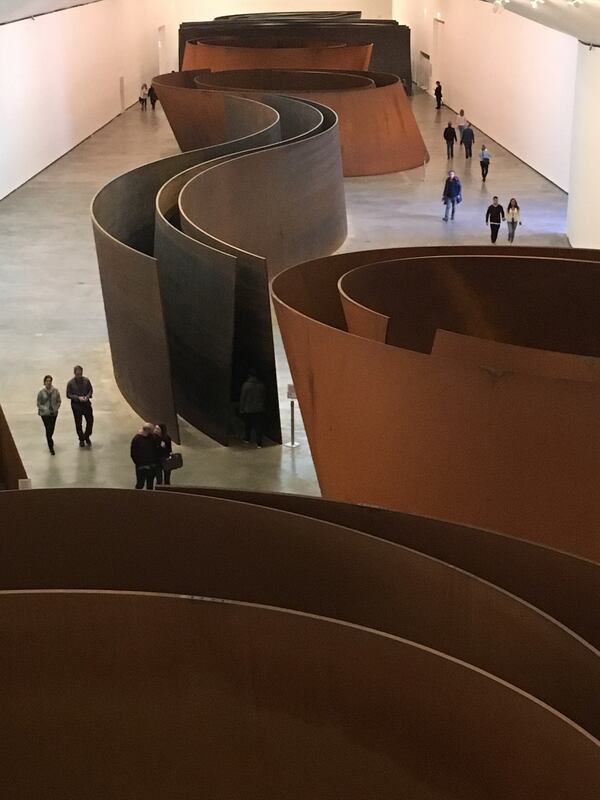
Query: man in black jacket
(438, 94)
(494, 215)
(145, 456)
(79, 392)
(467, 138)
(450, 137)
(451, 194)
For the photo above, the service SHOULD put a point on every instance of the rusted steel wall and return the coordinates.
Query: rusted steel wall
(390, 41)
(378, 130)
(200, 301)
(268, 54)
(96, 652)
(399, 427)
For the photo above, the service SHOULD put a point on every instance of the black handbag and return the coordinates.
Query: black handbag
(172, 461)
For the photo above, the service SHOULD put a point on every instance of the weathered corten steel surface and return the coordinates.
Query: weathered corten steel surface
(390, 41)
(203, 301)
(271, 54)
(393, 425)
(213, 348)
(307, 172)
(378, 130)
(162, 695)
(559, 584)
(204, 546)
(11, 466)
(123, 221)
(209, 120)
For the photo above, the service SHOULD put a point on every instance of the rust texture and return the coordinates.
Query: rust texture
(378, 130)
(559, 584)
(163, 696)
(390, 42)
(395, 590)
(161, 658)
(510, 449)
(272, 54)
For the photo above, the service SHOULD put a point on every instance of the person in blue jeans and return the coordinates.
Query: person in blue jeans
(452, 194)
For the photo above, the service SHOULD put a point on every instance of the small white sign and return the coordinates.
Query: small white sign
(291, 392)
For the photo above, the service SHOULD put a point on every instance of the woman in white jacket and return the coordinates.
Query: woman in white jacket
(513, 218)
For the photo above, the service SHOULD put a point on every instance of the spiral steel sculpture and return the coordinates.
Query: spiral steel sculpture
(453, 382)
(184, 274)
(237, 649)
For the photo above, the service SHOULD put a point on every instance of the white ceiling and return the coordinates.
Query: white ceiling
(11, 10)
(581, 20)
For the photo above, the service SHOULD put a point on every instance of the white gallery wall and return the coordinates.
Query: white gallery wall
(60, 75)
(60, 79)
(66, 74)
(514, 78)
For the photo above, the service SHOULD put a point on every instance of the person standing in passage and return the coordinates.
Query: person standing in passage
(48, 403)
(143, 96)
(144, 454)
(450, 137)
(438, 94)
(252, 407)
(79, 392)
(513, 218)
(152, 96)
(484, 161)
(452, 194)
(165, 448)
(467, 138)
(461, 123)
(494, 215)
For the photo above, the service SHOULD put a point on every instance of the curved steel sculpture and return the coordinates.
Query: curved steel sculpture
(501, 439)
(394, 589)
(378, 130)
(202, 305)
(366, 678)
(390, 41)
(230, 53)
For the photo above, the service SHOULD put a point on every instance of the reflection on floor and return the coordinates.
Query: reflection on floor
(52, 316)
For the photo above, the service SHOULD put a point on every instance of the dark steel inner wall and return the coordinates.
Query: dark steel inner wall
(559, 584)
(502, 437)
(390, 41)
(163, 696)
(123, 218)
(307, 172)
(211, 547)
(512, 300)
(11, 466)
(204, 302)
(282, 80)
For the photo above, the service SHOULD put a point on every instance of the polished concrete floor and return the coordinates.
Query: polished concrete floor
(52, 316)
